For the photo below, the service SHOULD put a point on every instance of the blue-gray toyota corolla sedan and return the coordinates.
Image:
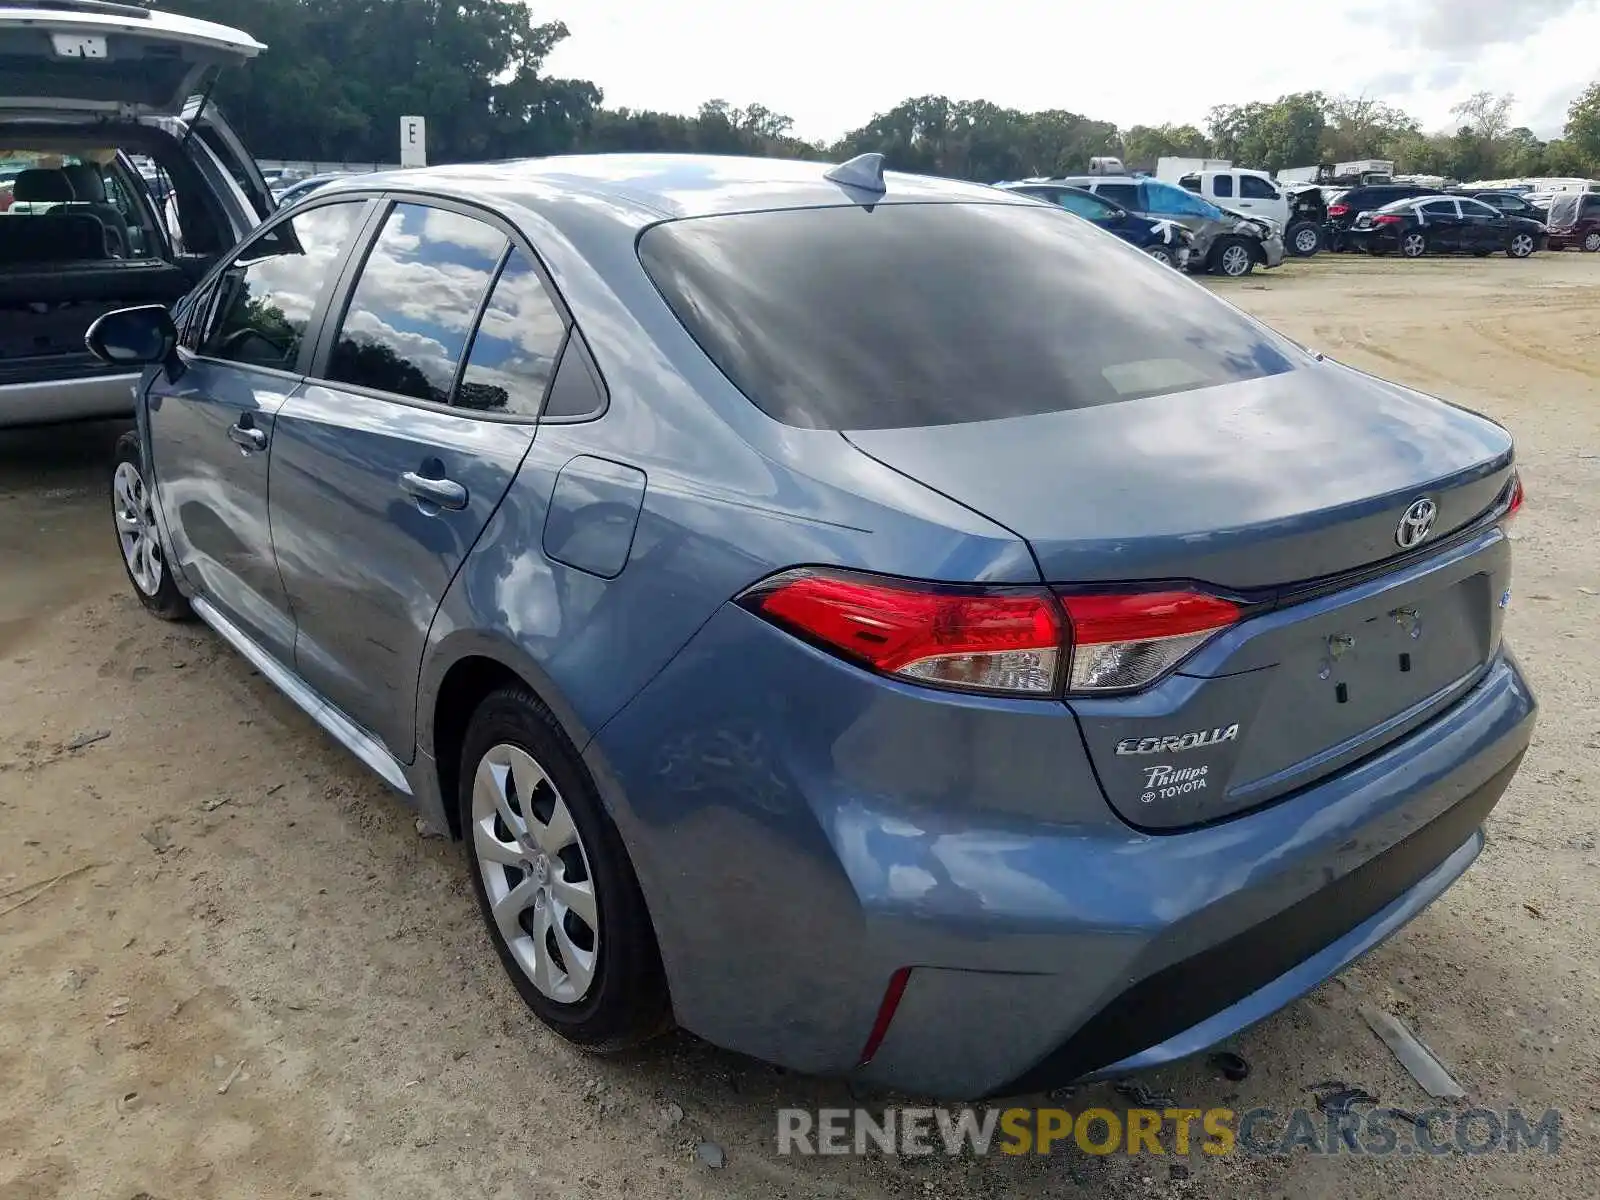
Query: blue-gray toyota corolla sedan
(883, 625)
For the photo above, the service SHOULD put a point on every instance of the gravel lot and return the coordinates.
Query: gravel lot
(253, 978)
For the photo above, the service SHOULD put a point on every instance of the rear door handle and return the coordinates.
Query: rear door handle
(446, 493)
(247, 437)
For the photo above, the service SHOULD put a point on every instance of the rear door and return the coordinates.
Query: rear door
(423, 401)
(118, 60)
(246, 341)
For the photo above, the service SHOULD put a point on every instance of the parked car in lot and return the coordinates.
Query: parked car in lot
(1574, 220)
(1225, 243)
(1444, 225)
(835, 607)
(1344, 207)
(83, 234)
(1163, 240)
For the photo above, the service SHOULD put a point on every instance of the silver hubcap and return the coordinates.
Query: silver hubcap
(136, 528)
(1235, 260)
(1592, 242)
(1306, 241)
(1160, 254)
(536, 873)
(1414, 246)
(1522, 245)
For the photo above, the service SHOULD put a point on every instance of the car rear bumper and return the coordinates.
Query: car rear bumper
(67, 400)
(802, 831)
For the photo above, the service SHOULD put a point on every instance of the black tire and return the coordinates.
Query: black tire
(1160, 252)
(1413, 245)
(163, 599)
(1224, 261)
(1521, 245)
(626, 1001)
(1591, 242)
(1299, 232)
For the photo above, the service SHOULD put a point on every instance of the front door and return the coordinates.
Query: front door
(211, 428)
(1482, 227)
(1442, 224)
(388, 465)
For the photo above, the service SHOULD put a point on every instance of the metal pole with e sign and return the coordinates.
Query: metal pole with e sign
(413, 142)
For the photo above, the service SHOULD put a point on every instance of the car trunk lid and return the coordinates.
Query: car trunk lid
(115, 59)
(1287, 494)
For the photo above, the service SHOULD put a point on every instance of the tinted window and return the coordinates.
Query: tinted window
(514, 353)
(1438, 208)
(1125, 194)
(1255, 188)
(1222, 185)
(1190, 183)
(1167, 201)
(931, 314)
(1475, 208)
(413, 305)
(264, 300)
(1085, 205)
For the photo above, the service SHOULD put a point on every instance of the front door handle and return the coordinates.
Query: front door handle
(446, 493)
(247, 437)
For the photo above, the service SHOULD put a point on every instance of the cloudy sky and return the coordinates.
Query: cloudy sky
(832, 64)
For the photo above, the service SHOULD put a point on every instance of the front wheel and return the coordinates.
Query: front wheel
(133, 509)
(1520, 246)
(1413, 245)
(553, 880)
(1161, 254)
(1304, 239)
(1591, 241)
(1233, 259)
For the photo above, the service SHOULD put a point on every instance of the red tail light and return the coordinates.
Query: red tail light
(1009, 640)
(1514, 504)
(1338, 210)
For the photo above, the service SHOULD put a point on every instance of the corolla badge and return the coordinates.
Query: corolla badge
(1175, 743)
(1416, 524)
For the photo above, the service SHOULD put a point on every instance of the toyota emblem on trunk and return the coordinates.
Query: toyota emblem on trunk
(1416, 524)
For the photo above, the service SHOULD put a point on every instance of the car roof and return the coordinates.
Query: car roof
(640, 189)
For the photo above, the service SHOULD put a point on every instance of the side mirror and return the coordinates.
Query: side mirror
(133, 337)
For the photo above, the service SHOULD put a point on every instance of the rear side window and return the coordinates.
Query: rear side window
(937, 314)
(1222, 185)
(514, 353)
(412, 309)
(265, 298)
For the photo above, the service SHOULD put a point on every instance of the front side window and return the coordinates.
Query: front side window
(1438, 208)
(1086, 205)
(412, 308)
(514, 351)
(1476, 208)
(264, 300)
(1253, 187)
(937, 314)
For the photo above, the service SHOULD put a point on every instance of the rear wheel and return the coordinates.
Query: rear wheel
(1304, 239)
(1160, 253)
(1413, 245)
(1233, 258)
(1591, 241)
(553, 881)
(1520, 246)
(133, 509)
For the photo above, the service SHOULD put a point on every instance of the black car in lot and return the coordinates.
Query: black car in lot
(1444, 225)
(1344, 207)
(1166, 241)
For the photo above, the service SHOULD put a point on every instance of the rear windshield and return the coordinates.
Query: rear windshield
(938, 314)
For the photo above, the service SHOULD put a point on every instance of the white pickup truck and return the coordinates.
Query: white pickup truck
(1254, 194)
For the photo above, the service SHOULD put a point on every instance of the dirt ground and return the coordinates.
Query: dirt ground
(251, 977)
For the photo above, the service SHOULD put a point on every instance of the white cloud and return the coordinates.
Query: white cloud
(832, 64)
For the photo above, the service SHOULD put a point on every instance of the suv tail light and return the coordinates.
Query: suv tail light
(1338, 210)
(1018, 641)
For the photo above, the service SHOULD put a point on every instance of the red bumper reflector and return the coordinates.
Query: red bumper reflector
(891, 1001)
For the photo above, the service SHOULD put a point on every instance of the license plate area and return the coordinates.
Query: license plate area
(1349, 674)
(78, 45)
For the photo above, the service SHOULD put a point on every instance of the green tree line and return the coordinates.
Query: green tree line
(339, 74)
